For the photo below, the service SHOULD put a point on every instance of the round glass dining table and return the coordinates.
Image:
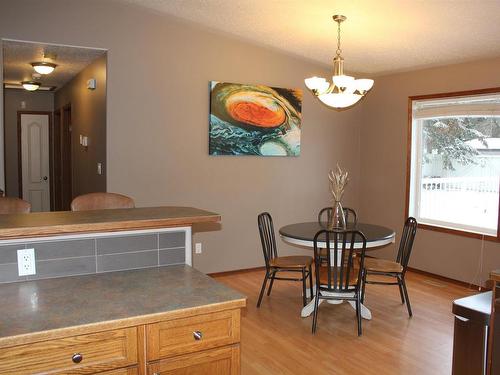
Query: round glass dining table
(302, 234)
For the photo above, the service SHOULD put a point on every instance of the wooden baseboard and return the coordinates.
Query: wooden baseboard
(429, 274)
(453, 281)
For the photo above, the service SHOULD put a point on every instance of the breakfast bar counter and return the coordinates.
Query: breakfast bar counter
(39, 224)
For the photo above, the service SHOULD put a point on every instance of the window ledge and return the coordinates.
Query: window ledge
(458, 232)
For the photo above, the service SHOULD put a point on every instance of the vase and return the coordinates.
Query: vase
(338, 218)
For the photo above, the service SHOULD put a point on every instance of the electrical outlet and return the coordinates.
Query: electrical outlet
(197, 248)
(26, 262)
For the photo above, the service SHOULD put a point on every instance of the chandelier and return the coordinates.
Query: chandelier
(344, 91)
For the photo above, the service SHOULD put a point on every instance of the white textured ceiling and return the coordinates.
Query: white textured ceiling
(379, 36)
(18, 56)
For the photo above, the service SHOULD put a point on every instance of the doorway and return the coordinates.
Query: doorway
(66, 147)
(34, 159)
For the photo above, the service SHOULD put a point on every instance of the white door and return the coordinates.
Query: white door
(35, 160)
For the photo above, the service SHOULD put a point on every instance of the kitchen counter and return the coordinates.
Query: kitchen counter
(47, 309)
(38, 224)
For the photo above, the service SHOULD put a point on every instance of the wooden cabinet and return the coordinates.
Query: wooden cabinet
(123, 371)
(222, 361)
(82, 354)
(193, 334)
(494, 333)
(186, 344)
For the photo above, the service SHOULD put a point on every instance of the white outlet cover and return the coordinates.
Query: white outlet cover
(26, 262)
(197, 248)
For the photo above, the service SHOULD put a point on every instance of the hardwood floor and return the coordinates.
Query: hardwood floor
(276, 340)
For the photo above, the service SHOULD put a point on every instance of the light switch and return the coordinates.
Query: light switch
(91, 84)
(99, 168)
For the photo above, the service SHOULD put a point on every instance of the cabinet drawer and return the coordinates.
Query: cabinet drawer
(122, 371)
(192, 334)
(221, 361)
(97, 352)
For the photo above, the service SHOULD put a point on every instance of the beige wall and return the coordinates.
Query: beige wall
(383, 167)
(159, 69)
(88, 118)
(157, 131)
(34, 101)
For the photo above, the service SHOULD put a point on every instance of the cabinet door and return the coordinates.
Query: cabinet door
(83, 354)
(192, 334)
(221, 361)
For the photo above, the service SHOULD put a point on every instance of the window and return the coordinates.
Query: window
(454, 162)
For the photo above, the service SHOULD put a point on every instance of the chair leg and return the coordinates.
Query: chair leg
(408, 306)
(304, 280)
(315, 313)
(358, 314)
(311, 282)
(363, 285)
(271, 283)
(264, 283)
(401, 293)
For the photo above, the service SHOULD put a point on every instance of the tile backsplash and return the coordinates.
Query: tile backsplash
(116, 252)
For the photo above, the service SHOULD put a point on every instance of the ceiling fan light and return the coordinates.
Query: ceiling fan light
(317, 84)
(43, 67)
(31, 85)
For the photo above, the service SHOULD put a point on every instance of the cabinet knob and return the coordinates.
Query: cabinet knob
(77, 358)
(197, 335)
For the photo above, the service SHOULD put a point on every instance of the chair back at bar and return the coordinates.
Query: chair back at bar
(10, 205)
(101, 201)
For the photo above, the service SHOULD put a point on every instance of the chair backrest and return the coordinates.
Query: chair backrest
(342, 247)
(406, 243)
(14, 206)
(326, 213)
(266, 231)
(101, 201)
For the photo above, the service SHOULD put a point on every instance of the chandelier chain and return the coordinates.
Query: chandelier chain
(339, 50)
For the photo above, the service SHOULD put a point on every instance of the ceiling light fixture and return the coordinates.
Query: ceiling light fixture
(43, 67)
(344, 91)
(31, 85)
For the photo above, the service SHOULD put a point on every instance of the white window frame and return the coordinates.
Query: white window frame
(443, 105)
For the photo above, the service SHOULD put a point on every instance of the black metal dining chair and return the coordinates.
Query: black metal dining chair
(349, 214)
(340, 278)
(276, 264)
(394, 269)
(326, 213)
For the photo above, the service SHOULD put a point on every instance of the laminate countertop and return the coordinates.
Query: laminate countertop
(37, 224)
(44, 309)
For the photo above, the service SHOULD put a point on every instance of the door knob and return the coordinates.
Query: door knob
(45, 178)
(77, 358)
(197, 335)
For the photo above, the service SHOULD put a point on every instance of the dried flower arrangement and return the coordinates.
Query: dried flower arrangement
(338, 182)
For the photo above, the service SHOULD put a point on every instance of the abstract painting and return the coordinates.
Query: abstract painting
(254, 120)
